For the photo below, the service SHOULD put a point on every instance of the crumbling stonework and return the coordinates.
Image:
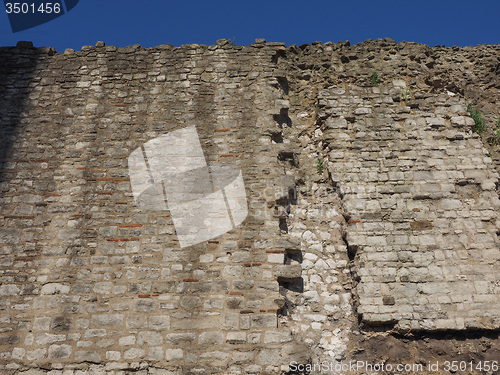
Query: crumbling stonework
(366, 211)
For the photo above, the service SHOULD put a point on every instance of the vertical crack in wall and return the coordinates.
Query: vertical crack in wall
(321, 315)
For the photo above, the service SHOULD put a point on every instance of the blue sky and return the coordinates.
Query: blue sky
(153, 22)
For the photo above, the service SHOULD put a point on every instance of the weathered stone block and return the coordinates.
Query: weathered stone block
(95, 333)
(61, 324)
(145, 305)
(150, 338)
(100, 320)
(55, 288)
(112, 355)
(60, 351)
(9, 236)
(9, 290)
(160, 322)
(268, 356)
(264, 320)
(180, 338)
(87, 356)
(134, 353)
(211, 338)
(36, 354)
(42, 323)
(421, 225)
(126, 340)
(49, 338)
(174, 354)
(190, 302)
(288, 272)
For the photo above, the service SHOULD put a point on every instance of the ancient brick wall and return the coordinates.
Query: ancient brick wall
(88, 276)
(363, 210)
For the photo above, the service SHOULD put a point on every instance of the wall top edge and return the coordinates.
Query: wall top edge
(28, 47)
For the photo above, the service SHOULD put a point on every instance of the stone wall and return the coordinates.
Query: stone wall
(421, 195)
(364, 211)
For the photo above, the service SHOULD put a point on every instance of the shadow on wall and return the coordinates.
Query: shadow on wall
(17, 68)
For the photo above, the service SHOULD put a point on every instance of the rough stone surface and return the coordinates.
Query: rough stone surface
(368, 214)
